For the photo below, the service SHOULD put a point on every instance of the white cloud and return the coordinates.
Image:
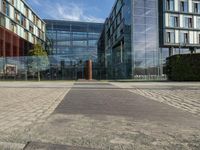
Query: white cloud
(70, 11)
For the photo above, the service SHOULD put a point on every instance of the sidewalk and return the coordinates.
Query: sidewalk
(99, 115)
(103, 116)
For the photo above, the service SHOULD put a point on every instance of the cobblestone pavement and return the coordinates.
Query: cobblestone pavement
(184, 96)
(23, 104)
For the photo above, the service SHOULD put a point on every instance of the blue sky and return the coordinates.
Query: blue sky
(75, 10)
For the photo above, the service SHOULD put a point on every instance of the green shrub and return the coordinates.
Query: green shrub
(184, 67)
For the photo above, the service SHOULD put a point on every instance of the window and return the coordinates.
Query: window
(170, 37)
(31, 27)
(92, 43)
(79, 35)
(2, 20)
(34, 19)
(26, 12)
(184, 37)
(196, 7)
(170, 5)
(42, 35)
(198, 23)
(13, 27)
(118, 6)
(198, 38)
(37, 21)
(186, 40)
(188, 22)
(6, 8)
(26, 35)
(34, 39)
(23, 21)
(42, 26)
(13, 2)
(185, 22)
(17, 17)
(184, 6)
(39, 33)
(174, 21)
(80, 43)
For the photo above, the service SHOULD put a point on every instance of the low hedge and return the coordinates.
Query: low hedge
(184, 67)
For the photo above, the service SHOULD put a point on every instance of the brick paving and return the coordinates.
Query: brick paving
(24, 104)
(104, 116)
(184, 96)
(99, 115)
(22, 107)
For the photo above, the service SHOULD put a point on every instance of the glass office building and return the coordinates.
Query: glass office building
(145, 39)
(134, 41)
(131, 40)
(140, 34)
(72, 43)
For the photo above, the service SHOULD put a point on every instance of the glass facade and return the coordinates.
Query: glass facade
(134, 42)
(131, 40)
(73, 43)
(145, 39)
(69, 45)
(140, 34)
(118, 42)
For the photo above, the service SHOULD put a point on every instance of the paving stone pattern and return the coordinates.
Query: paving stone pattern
(107, 116)
(22, 107)
(179, 95)
(24, 104)
(116, 119)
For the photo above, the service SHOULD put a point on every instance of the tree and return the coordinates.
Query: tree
(37, 60)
